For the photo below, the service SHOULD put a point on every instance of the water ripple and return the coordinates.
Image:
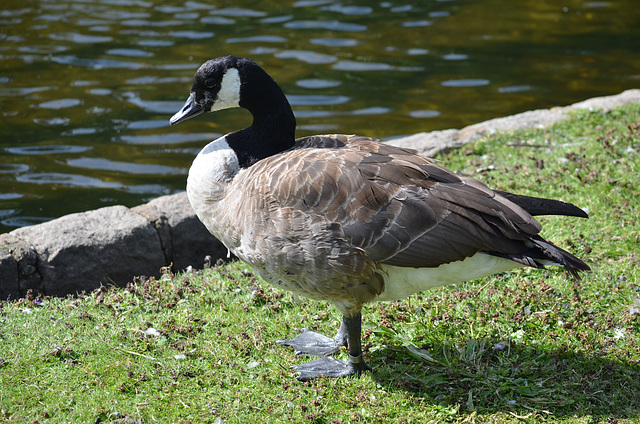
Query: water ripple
(52, 121)
(168, 138)
(310, 3)
(217, 20)
(74, 180)
(61, 179)
(92, 23)
(194, 5)
(21, 91)
(99, 91)
(317, 83)
(126, 167)
(427, 113)
(258, 39)
(193, 35)
(75, 37)
(187, 16)
(146, 23)
(316, 99)
(238, 12)
(11, 196)
(169, 9)
(152, 189)
(352, 65)
(46, 149)
(13, 168)
(42, 49)
(306, 56)
(7, 212)
(313, 113)
(23, 221)
(81, 131)
(374, 110)
(514, 88)
(335, 42)
(60, 103)
(158, 106)
(328, 25)
(154, 43)
(414, 24)
(262, 50)
(401, 9)
(465, 83)
(95, 63)
(129, 52)
(276, 19)
(147, 125)
(455, 56)
(348, 10)
(417, 52)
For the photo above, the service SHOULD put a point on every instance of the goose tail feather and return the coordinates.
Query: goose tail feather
(542, 253)
(540, 206)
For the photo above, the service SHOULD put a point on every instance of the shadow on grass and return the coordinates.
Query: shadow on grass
(483, 379)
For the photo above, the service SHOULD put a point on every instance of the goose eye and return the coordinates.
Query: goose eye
(210, 83)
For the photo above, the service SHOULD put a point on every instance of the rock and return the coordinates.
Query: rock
(606, 103)
(78, 252)
(8, 275)
(184, 238)
(23, 259)
(529, 119)
(81, 251)
(428, 144)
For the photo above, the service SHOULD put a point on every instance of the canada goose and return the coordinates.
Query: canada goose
(345, 218)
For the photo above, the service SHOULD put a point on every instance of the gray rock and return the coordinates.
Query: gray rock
(8, 275)
(606, 103)
(429, 144)
(23, 259)
(184, 238)
(78, 252)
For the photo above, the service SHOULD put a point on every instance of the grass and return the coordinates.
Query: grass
(524, 346)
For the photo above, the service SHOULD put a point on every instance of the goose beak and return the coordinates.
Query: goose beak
(188, 111)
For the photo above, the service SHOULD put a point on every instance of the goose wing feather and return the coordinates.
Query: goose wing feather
(400, 208)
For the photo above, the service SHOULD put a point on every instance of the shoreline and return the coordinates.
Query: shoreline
(111, 245)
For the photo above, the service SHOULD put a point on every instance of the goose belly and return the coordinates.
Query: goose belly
(401, 282)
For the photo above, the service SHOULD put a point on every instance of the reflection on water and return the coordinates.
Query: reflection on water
(86, 88)
(42, 149)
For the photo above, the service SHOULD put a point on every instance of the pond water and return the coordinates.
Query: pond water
(87, 86)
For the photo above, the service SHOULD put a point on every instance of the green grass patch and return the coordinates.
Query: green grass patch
(524, 346)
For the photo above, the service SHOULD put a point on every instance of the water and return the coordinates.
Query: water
(87, 87)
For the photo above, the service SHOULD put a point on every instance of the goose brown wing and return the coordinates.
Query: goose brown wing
(402, 209)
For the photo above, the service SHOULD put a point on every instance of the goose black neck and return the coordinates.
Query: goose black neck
(274, 125)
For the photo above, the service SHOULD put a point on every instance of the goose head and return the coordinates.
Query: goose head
(230, 81)
(216, 86)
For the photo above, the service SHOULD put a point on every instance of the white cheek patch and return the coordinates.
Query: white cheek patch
(229, 94)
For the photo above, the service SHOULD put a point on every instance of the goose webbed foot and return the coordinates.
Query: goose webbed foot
(331, 367)
(313, 344)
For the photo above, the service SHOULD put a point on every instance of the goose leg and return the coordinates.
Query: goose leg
(349, 334)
